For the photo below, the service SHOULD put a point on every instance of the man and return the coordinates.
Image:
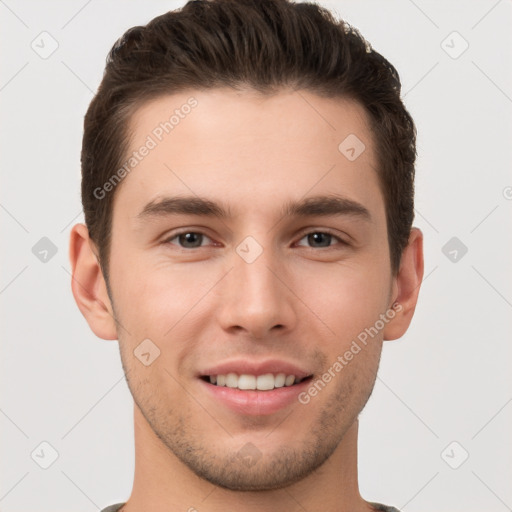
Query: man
(248, 172)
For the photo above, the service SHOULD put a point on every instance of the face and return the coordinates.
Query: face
(249, 277)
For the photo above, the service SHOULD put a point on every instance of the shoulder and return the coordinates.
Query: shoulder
(113, 508)
(379, 507)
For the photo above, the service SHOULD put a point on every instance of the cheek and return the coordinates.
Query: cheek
(153, 300)
(345, 297)
(154, 296)
(157, 305)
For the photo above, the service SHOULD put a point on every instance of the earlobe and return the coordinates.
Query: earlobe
(88, 285)
(406, 286)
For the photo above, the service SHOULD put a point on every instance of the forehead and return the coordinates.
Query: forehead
(256, 148)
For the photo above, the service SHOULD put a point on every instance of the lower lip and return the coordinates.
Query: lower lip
(254, 402)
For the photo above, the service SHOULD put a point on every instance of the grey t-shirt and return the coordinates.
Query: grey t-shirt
(376, 506)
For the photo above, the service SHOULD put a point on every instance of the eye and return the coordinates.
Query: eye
(195, 239)
(188, 239)
(322, 238)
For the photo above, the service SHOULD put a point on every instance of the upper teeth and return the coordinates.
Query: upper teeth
(264, 382)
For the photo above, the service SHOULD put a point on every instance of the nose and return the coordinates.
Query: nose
(256, 296)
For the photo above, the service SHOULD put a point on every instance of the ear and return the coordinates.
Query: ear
(88, 285)
(406, 286)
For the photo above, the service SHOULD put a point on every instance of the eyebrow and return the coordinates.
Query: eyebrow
(324, 206)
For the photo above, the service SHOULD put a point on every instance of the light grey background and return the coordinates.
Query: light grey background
(447, 380)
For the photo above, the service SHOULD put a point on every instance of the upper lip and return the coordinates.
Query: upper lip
(251, 367)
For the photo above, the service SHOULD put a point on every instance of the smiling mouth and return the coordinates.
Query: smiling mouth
(248, 382)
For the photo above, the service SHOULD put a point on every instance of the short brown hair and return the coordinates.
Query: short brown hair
(266, 45)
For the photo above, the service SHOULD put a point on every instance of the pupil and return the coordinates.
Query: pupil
(187, 238)
(317, 237)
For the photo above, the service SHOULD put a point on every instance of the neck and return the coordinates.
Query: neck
(162, 483)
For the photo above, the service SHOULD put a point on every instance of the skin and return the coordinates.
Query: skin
(303, 300)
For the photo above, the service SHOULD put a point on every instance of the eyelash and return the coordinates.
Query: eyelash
(188, 249)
